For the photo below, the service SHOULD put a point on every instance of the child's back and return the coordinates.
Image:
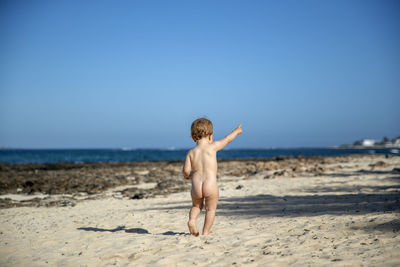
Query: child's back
(204, 170)
(201, 161)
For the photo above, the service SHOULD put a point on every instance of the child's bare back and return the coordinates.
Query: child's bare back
(201, 163)
(203, 159)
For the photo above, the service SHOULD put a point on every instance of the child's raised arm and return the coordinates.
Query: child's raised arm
(229, 138)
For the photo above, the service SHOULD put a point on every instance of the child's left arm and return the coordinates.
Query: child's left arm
(187, 167)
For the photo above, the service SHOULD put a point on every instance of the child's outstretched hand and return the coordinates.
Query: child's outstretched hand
(239, 129)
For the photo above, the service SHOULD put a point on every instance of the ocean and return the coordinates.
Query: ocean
(18, 156)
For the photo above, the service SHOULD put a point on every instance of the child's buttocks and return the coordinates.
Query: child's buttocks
(204, 172)
(204, 186)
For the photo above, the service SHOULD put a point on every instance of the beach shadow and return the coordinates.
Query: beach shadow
(390, 226)
(335, 199)
(175, 233)
(137, 231)
(393, 171)
(310, 205)
(352, 188)
(119, 228)
(319, 201)
(362, 172)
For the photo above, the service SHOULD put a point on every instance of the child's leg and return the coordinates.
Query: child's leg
(197, 206)
(211, 207)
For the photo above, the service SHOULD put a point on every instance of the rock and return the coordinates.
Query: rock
(299, 169)
(165, 184)
(396, 170)
(271, 165)
(281, 173)
(138, 196)
(378, 164)
(134, 193)
(28, 184)
(172, 169)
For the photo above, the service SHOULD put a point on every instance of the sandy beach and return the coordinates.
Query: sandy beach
(341, 211)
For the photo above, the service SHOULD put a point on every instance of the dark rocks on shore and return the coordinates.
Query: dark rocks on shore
(93, 178)
(378, 164)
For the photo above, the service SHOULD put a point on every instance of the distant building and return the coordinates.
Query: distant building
(368, 142)
(396, 141)
(385, 143)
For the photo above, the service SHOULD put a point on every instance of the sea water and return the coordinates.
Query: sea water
(127, 155)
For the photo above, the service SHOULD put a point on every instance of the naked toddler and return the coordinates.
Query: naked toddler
(201, 166)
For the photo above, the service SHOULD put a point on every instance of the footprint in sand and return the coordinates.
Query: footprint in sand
(135, 256)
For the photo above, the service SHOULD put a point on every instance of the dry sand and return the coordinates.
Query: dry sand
(346, 218)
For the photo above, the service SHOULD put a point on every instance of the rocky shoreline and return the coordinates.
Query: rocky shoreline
(65, 184)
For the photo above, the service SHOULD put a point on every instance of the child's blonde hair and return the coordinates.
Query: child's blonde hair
(201, 128)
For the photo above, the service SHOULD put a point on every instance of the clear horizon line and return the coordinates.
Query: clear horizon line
(175, 148)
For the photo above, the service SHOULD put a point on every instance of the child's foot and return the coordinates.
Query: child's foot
(210, 233)
(193, 228)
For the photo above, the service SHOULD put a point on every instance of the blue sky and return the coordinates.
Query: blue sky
(107, 74)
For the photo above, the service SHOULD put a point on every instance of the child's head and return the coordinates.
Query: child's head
(201, 128)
